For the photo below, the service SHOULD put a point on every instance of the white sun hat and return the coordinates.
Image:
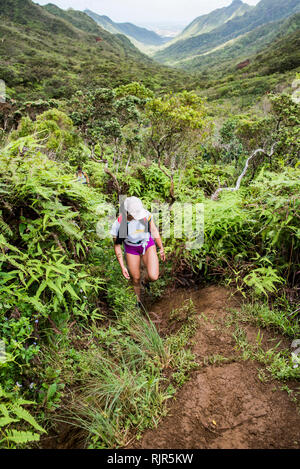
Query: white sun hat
(134, 207)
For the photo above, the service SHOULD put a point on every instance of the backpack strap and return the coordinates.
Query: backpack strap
(120, 240)
(146, 221)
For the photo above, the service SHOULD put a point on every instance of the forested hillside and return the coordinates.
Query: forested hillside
(60, 52)
(82, 363)
(206, 23)
(266, 11)
(259, 42)
(133, 32)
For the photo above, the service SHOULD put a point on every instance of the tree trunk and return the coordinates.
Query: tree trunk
(107, 171)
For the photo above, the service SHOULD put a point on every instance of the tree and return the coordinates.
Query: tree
(134, 89)
(287, 114)
(176, 120)
(104, 116)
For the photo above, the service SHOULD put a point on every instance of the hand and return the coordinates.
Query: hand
(125, 273)
(162, 254)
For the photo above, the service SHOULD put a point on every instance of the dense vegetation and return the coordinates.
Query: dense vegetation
(255, 47)
(77, 348)
(47, 55)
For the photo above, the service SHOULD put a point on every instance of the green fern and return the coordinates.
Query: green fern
(263, 280)
(14, 418)
(4, 228)
(23, 414)
(21, 437)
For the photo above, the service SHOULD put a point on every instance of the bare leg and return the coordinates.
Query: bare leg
(150, 260)
(134, 267)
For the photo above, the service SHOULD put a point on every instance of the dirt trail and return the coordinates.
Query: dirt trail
(224, 405)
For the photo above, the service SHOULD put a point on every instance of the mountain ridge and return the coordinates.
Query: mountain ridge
(249, 45)
(264, 12)
(54, 55)
(27, 13)
(137, 33)
(206, 23)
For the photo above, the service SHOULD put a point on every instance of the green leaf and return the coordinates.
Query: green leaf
(72, 292)
(4, 410)
(42, 287)
(6, 421)
(25, 415)
(21, 437)
(51, 391)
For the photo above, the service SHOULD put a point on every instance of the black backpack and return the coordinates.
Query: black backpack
(124, 227)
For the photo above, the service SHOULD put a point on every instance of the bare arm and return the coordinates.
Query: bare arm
(87, 179)
(119, 256)
(156, 236)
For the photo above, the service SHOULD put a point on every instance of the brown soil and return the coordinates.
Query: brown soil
(226, 405)
(65, 437)
(222, 406)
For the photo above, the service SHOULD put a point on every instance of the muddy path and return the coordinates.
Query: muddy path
(228, 402)
(225, 404)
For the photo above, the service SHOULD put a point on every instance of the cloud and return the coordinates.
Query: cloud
(144, 11)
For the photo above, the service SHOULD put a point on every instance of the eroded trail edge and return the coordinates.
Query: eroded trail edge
(229, 401)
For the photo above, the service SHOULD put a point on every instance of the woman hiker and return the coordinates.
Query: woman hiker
(136, 228)
(82, 177)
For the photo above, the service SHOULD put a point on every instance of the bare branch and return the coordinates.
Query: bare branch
(238, 183)
(102, 160)
(107, 171)
(171, 177)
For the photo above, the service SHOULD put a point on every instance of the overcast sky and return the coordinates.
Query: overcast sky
(146, 11)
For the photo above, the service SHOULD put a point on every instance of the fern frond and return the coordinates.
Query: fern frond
(4, 410)
(6, 421)
(21, 437)
(25, 415)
